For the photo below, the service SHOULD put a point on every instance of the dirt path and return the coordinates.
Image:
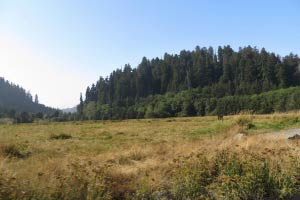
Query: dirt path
(289, 138)
(291, 132)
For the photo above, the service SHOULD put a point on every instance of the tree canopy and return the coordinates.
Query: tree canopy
(206, 73)
(14, 99)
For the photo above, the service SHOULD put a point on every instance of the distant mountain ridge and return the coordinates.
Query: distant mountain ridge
(69, 110)
(14, 98)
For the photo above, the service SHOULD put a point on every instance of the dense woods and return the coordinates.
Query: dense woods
(17, 103)
(200, 82)
(194, 83)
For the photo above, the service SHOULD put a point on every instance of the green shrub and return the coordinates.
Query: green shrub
(16, 151)
(62, 136)
(245, 120)
(234, 176)
(190, 181)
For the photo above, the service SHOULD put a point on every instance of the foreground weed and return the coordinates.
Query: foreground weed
(235, 176)
(62, 136)
(16, 151)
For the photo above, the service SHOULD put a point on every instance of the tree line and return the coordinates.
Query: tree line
(190, 83)
(18, 104)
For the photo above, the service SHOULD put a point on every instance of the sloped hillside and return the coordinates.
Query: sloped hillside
(14, 98)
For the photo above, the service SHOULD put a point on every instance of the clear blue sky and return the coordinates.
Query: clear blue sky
(57, 48)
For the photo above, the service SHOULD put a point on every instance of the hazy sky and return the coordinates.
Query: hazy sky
(57, 48)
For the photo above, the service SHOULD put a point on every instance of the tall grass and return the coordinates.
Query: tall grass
(151, 159)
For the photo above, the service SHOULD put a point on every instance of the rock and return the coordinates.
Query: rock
(290, 134)
(294, 137)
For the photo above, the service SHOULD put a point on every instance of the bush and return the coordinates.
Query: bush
(62, 136)
(245, 120)
(230, 175)
(16, 151)
(191, 179)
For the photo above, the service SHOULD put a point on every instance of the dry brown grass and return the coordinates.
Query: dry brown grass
(133, 151)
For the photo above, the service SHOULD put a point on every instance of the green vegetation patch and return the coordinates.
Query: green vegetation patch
(214, 128)
(61, 136)
(277, 125)
(15, 151)
(230, 176)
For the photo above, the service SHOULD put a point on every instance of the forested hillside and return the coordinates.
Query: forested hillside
(14, 99)
(188, 84)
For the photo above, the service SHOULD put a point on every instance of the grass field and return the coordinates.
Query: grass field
(242, 157)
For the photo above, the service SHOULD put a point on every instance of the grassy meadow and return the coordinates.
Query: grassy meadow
(242, 157)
